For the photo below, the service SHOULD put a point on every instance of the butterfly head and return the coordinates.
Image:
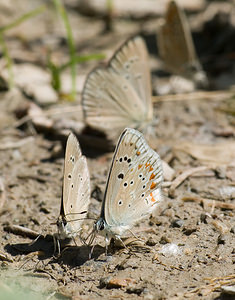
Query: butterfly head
(100, 225)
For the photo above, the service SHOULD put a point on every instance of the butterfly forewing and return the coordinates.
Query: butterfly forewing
(79, 195)
(175, 41)
(133, 187)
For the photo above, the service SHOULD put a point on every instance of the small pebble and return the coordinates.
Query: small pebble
(232, 230)
(221, 239)
(151, 241)
(164, 240)
(177, 223)
(189, 231)
(135, 290)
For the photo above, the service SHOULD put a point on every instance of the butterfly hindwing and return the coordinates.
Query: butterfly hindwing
(119, 95)
(175, 40)
(131, 62)
(72, 154)
(79, 194)
(133, 187)
(76, 188)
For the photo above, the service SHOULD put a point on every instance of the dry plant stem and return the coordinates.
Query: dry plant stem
(2, 194)
(209, 202)
(215, 284)
(181, 178)
(17, 144)
(214, 95)
(23, 231)
(4, 257)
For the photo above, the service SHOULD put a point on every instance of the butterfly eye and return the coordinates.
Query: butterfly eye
(144, 186)
(71, 206)
(140, 175)
(131, 182)
(69, 176)
(129, 160)
(120, 159)
(125, 184)
(72, 186)
(142, 195)
(125, 158)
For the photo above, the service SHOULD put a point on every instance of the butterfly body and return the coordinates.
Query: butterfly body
(133, 188)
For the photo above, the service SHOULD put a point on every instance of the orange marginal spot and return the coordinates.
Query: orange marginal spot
(152, 198)
(150, 168)
(153, 185)
(152, 176)
(139, 166)
(138, 153)
(147, 165)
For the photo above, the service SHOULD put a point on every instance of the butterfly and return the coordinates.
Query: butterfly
(176, 46)
(133, 188)
(76, 191)
(119, 95)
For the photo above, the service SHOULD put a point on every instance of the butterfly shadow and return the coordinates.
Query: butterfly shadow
(43, 245)
(75, 256)
(94, 142)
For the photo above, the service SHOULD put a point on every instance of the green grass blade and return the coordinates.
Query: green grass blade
(8, 60)
(62, 12)
(23, 18)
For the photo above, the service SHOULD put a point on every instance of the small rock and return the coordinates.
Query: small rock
(232, 230)
(164, 240)
(127, 263)
(203, 218)
(135, 290)
(155, 221)
(221, 239)
(189, 231)
(151, 241)
(230, 290)
(170, 249)
(177, 223)
(115, 282)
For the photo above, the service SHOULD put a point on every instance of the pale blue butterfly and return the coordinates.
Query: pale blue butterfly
(76, 191)
(133, 188)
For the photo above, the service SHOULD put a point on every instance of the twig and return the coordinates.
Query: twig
(4, 257)
(214, 95)
(23, 231)
(17, 144)
(209, 202)
(2, 194)
(184, 175)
